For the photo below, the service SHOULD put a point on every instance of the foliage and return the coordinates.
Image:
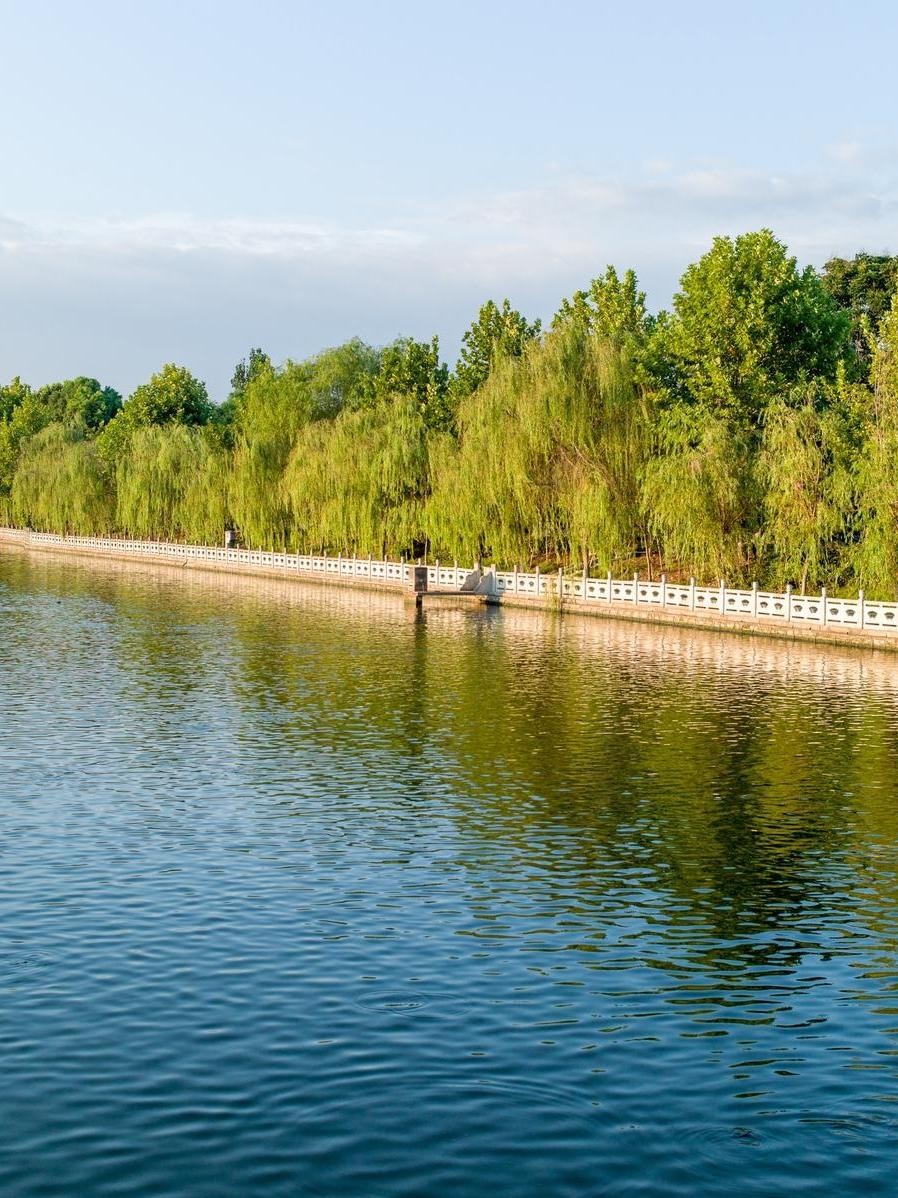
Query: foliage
(497, 333)
(696, 493)
(356, 485)
(735, 436)
(746, 325)
(806, 469)
(172, 396)
(863, 286)
(876, 554)
(612, 308)
(413, 368)
(59, 485)
(172, 485)
(548, 456)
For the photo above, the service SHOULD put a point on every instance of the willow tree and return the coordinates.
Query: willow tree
(875, 557)
(548, 458)
(274, 406)
(172, 485)
(694, 492)
(806, 473)
(357, 485)
(60, 485)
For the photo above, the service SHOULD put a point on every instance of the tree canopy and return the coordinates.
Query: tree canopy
(743, 433)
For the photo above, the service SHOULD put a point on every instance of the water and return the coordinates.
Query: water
(304, 894)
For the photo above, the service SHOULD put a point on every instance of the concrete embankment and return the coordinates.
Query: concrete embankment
(820, 619)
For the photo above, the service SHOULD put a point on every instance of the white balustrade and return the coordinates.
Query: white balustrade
(752, 605)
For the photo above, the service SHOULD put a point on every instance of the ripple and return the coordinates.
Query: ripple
(302, 894)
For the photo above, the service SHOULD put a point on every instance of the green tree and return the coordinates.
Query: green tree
(611, 307)
(81, 401)
(876, 553)
(413, 368)
(172, 396)
(806, 471)
(11, 396)
(59, 485)
(549, 454)
(247, 369)
(747, 324)
(697, 492)
(496, 333)
(29, 415)
(863, 286)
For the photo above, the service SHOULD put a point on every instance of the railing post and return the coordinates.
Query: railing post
(823, 611)
(754, 599)
(610, 592)
(692, 594)
(860, 604)
(636, 589)
(723, 597)
(788, 600)
(584, 581)
(516, 578)
(664, 590)
(560, 584)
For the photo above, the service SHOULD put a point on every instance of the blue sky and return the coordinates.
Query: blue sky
(179, 181)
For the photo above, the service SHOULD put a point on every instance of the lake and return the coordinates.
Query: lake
(303, 892)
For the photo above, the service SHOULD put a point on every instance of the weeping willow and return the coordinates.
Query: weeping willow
(357, 484)
(696, 493)
(875, 558)
(549, 456)
(60, 486)
(275, 406)
(805, 469)
(172, 485)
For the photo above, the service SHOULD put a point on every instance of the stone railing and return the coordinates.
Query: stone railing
(779, 607)
(747, 606)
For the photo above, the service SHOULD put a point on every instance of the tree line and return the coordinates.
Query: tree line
(750, 432)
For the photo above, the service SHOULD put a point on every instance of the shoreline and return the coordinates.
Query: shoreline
(389, 577)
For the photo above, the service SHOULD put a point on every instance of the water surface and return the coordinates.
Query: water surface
(302, 893)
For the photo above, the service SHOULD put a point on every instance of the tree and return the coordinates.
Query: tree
(496, 333)
(548, 457)
(612, 307)
(410, 367)
(27, 418)
(863, 286)
(697, 491)
(81, 401)
(59, 485)
(247, 369)
(806, 473)
(11, 396)
(876, 554)
(747, 324)
(172, 395)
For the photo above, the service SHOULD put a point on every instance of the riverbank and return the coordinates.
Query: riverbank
(817, 619)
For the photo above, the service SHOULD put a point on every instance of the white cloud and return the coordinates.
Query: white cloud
(117, 297)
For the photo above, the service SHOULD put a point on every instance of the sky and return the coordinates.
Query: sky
(182, 181)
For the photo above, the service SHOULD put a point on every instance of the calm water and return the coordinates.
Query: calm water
(301, 894)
